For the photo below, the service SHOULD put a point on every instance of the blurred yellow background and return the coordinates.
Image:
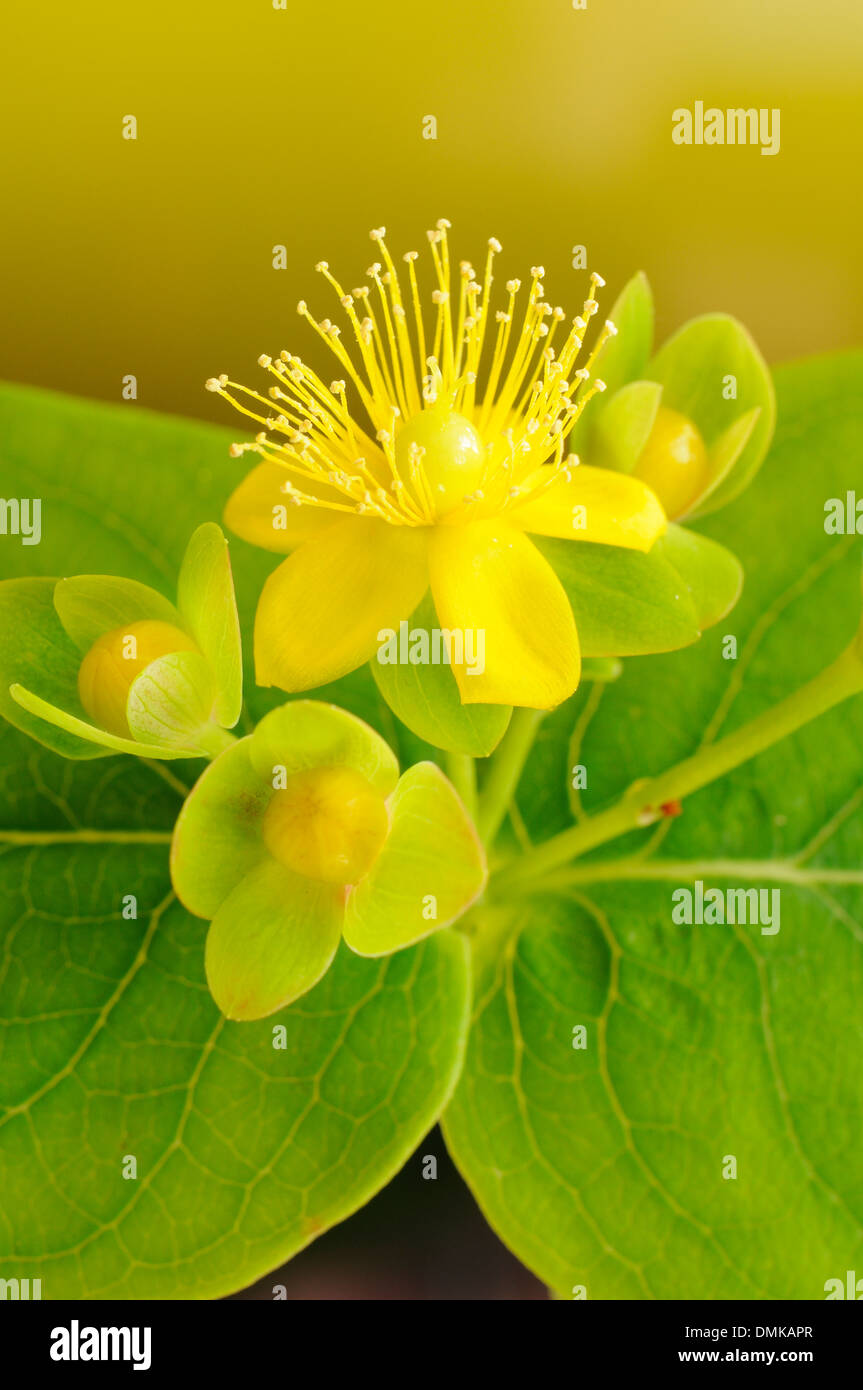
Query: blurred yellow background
(303, 126)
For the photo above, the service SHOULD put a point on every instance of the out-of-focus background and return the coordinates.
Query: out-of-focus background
(302, 126)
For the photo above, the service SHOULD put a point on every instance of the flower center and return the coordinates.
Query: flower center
(674, 461)
(113, 662)
(441, 449)
(327, 823)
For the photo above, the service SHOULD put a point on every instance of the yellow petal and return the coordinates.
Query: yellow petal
(259, 511)
(321, 611)
(597, 504)
(491, 584)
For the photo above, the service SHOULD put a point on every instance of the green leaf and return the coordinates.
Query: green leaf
(426, 699)
(245, 1150)
(692, 367)
(433, 859)
(603, 1166)
(205, 595)
(625, 603)
(111, 1044)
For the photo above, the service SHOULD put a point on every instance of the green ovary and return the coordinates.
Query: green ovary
(113, 662)
(674, 462)
(447, 450)
(327, 823)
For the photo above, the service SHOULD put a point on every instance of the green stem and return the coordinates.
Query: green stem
(461, 770)
(214, 740)
(643, 803)
(167, 776)
(505, 769)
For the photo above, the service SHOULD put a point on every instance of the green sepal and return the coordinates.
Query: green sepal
(426, 699)
(205, 597)
(692, 367)
(622, 359)
(72, 724)
(308, 733)
(218, 839)
(271, 940)
(713, 575)
(626, 355)
(723, 457)
(171, 701)
(35, 649)
(623, 428)
(91, 605)
(433, 852)
(625, 603)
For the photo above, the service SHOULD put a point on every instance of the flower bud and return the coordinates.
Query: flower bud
(327, 823)
(113, 662)
(674, 462)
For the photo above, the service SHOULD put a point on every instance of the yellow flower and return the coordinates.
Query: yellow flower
(462, 455)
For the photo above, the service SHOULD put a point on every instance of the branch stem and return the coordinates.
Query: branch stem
(642, 804)
(506, 767)
(461, 770)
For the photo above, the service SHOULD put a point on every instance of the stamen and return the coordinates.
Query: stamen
(521, 397)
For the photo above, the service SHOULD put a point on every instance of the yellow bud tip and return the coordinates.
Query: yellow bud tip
(674, 462)
(113, 662)
(327, 823)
